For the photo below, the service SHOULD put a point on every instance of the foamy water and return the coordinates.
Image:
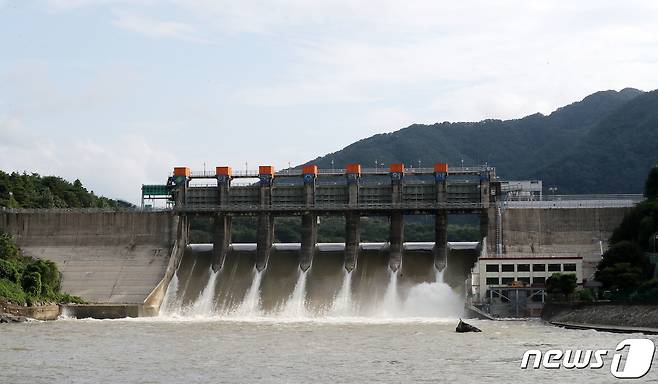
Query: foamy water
(169, 350)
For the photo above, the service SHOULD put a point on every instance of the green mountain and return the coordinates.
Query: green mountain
(566, 148)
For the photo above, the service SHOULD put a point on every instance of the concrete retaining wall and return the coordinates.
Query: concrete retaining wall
(576, 231)
(104, 257)
(41, 312)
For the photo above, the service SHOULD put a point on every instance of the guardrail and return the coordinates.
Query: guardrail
(563, 204)
(341, 172)
(632, 197)
(324, 207)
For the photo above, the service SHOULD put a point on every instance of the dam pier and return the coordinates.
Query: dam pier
(352, 193)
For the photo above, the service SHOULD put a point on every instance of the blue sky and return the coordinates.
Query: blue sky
(116, 93)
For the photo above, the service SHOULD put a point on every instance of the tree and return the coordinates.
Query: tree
(8, 250)
(623, 276)
(651, 185)
(624, 266)
(559, 283)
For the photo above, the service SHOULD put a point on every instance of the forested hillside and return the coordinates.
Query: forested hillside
(35, 191)
(604, 143)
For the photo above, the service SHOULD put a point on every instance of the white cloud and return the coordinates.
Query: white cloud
(115, 168)
(156, 28)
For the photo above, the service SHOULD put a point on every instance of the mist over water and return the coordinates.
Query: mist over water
(325, 292)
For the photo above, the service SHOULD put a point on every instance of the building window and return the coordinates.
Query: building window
(492, 281)
(554, 267)
(507, 280)
(524, 280)
(570, 267)
(508, 267)
(539, 267)
(539, 280)
(492, 267)
(523, 267)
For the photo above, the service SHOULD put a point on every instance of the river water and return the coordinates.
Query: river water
(165, 350)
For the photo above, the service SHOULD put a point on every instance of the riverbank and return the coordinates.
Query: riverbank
(11, 312)
(609, 317)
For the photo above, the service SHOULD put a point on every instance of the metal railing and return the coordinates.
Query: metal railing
(325, 206)
(548, 204)
(341, 172)
(546, 197)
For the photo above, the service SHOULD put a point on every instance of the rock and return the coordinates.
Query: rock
(465, 327)
(8, 318)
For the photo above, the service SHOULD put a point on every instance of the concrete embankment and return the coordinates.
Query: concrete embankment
(109, 258)
(40, 312)
(576, 231)
(603, 316)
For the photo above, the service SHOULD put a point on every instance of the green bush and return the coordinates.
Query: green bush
(8, 250)
(11, 291)
(559, 283)
(31, 283)
(8, 271)
(648, 291)
(27, 280)
(49, 275)
(65, 298)
(586, 295)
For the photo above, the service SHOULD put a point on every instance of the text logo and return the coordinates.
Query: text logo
(636, 364)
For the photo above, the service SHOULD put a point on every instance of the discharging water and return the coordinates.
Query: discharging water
(326, 290)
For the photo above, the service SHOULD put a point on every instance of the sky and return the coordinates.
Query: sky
(118, 92)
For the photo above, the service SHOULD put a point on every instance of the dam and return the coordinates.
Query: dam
(141, 262)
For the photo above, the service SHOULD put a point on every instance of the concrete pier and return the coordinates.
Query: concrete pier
(440, 250)
(309, 240)
(440, 241)
(265, 238)
(222, 241)
(396, 239)
(352, 239)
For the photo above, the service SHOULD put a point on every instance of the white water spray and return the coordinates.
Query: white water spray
(391, 303)
(204, 305)
(169, 301)
(296, 305)
(342, 305)
(436, 300)
(250, 305)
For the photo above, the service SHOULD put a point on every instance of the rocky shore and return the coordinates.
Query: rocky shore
(9, 318)
(12, 313)
(619, 315)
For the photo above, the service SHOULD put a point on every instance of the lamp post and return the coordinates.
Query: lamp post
(11, 198)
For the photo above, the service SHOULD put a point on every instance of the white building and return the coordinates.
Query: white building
(530, 272)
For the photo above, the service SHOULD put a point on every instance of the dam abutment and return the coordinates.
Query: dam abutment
(108, 258)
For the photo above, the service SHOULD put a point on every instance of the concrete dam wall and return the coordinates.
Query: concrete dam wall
(577, 231)
(104, 257)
